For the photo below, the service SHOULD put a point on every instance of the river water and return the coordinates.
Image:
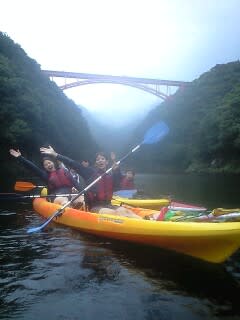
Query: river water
(64, 274)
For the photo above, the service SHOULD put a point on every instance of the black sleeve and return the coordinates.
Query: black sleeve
(85, 173)
(30, 165)
(117, 176)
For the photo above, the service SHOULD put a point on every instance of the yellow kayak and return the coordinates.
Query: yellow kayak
(142, 203)
(213, 242)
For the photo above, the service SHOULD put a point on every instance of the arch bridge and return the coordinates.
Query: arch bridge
(160, 88)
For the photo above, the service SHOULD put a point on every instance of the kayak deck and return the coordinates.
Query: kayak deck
(142, 203)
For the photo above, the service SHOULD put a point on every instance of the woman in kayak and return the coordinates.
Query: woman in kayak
(127, 181)
(99, 196)
(58, 179)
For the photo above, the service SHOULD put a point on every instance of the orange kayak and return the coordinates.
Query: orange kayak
(213, 242)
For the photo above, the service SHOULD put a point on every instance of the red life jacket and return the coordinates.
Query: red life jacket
(60, 178)
(102, 191)
(126, 184)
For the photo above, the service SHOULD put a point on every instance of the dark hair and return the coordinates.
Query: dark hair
(130, 170)
(100, 153)
(50, 158)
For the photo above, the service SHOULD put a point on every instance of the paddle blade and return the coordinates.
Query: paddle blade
(25, 186)
(156, 133)
(32, 230)
(42, 226)
(125, 193)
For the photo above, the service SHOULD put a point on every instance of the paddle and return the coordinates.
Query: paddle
(25, 186)
(125, 193)
(16, 196)
(10, 196)
(153, 135)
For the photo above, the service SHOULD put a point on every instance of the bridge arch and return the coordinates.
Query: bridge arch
(153, 86)
(147, 88)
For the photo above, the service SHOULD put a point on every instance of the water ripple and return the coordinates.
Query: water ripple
(64, 274)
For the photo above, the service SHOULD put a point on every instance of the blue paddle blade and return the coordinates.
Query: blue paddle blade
(54, 215)
(156, 133)
(125, 193)
(32, 230)
(37, 229)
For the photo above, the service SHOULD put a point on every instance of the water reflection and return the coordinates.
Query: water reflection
(65, 274)
(101, 265)
(16, 255)
(181, 275)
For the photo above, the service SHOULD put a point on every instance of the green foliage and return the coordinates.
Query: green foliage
(204, 121)
(17, 131)
(35, 112)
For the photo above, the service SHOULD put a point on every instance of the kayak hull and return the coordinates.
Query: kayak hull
(142, 203)
(155, 204)
(213, 242)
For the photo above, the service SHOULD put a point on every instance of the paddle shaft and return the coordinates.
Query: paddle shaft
(16, 196)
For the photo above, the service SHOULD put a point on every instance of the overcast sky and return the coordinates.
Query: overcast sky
(162, 39)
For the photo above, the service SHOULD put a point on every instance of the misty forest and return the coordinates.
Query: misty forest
(204, 122)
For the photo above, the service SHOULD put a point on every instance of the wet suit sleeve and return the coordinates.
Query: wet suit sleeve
(84, 172)
(30, 165)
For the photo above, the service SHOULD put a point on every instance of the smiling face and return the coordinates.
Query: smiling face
(101, 162)
(49, 165)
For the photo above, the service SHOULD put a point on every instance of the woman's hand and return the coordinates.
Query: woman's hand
(15, 153)
(115, 166)
(113, 156)
(114, 162)
(49, 151)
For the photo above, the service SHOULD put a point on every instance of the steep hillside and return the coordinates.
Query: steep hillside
(35, 112)
(204, 121)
